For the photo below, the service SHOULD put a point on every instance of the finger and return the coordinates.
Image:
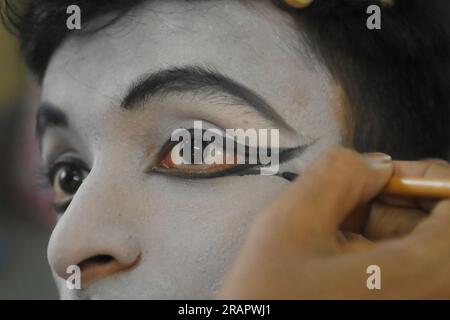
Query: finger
(430, 242)
(387, 222)
(336, 184)
(436, 227)
(352, 242)
(412, 267)
(437, 161)
(421, 169)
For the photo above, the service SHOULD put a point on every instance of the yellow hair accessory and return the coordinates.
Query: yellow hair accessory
(298, 4)
(301, 4)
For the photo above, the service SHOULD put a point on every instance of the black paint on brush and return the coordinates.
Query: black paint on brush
(289, 176)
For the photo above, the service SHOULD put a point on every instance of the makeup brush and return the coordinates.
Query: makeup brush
(407, 187)
(418, 187)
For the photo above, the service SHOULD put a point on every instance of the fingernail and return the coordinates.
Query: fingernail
(378, 159)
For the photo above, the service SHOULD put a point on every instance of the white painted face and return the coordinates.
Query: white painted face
(167, 236)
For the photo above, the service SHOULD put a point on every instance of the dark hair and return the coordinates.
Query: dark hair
(396, 80)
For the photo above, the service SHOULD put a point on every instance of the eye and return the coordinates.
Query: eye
(196, 158)
(65, 178)
(68, 179)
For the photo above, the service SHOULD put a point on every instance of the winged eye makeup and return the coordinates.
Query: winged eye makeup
(238, 152)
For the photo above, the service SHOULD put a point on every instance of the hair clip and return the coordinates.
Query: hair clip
(298, 4)
(301, 4)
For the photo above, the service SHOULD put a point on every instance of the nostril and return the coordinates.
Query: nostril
(101, 266)
(95, 261)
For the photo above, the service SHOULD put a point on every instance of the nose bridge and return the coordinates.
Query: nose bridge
(94, 225)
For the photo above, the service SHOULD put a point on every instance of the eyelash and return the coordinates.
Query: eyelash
(46, 177)
(239, 170)
(51, 173)
(42, 178)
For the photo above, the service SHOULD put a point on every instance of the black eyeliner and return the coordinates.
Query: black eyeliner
(289, 176)
(238, 170)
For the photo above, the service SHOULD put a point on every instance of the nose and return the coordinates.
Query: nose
(102, 266)
(94, 235)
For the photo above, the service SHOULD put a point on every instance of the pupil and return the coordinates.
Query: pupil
(196, 151)
(70, 180)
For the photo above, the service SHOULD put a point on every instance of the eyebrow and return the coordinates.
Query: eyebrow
(49, 116)
(192, 79)
(196, 79)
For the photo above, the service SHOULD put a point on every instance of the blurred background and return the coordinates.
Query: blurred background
(26, 219)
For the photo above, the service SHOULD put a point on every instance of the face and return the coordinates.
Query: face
(112, 100)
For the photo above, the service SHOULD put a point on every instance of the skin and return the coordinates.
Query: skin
(287, 241)
(172, 237)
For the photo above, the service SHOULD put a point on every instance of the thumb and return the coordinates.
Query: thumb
(336, 185)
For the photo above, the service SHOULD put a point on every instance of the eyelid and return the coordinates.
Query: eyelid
(60, 208)
(170, 144)
(190, 175)
(285, 155)
(66, 159)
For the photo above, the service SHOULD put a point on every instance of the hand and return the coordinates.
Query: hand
(296, 249)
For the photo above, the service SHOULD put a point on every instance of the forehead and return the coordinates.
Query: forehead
(253, 42)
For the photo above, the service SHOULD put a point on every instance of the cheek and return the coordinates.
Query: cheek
(191, 230)
(343, 117)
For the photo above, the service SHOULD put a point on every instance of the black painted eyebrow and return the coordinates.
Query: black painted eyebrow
(49, 116)
(197, 79)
